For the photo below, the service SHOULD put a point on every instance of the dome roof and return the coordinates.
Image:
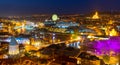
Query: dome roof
(13, 41)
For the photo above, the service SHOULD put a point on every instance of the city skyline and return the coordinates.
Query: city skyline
(59, 32)
(30, 7)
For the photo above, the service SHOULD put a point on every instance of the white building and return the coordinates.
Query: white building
(13, 47)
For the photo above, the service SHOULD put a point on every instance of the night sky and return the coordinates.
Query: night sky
(29, 7)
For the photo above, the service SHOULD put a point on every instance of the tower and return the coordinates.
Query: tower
(13, 47)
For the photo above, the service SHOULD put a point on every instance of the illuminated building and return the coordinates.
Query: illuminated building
(13, 47)
(74, 44)
(113, 32)
(86, 31)
(49, 23)
(37, 44)
(108, 48)
(62, 24)
(110, 22)
(95, 16)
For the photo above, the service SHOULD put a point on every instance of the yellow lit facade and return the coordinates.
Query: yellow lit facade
(110, 22)
(113, 32)
(95, 16)
(30, 47)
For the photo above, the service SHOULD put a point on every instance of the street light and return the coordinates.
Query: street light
(53, 37)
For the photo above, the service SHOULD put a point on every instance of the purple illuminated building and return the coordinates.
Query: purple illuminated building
(107, 46)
